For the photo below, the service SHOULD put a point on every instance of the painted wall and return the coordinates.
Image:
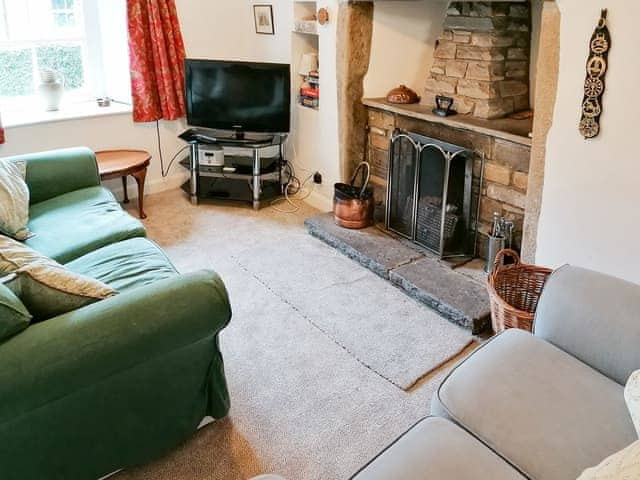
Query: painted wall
(404, 36)
(590, 214)
(221, 29)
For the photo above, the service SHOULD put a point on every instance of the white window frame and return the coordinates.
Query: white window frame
(89, 36)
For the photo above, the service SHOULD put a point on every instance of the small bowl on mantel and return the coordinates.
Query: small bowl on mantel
(402, 95)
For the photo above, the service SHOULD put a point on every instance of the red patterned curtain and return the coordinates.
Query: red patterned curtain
(1, 132)
(157, 57)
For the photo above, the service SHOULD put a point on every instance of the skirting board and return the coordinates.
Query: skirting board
(151, 186)
(319, 201)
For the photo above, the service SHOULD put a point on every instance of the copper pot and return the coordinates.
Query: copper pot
(402, 95)
(353, 207)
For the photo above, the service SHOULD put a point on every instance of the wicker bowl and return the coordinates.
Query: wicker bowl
(514, 291)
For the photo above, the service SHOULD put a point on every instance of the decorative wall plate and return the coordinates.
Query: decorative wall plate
(594, 84)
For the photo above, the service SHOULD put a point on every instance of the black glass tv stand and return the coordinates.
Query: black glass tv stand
(263, 175)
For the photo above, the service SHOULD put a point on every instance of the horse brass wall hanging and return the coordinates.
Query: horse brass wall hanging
(594, 85)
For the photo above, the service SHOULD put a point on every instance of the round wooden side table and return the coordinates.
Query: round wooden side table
(120, 164)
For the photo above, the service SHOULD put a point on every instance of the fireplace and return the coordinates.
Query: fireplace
(430, 194)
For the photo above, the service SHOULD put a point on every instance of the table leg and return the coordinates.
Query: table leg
(124, 187)
(140, 177)
(256, 179)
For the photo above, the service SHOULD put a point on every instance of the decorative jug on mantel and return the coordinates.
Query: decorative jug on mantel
(51, 89)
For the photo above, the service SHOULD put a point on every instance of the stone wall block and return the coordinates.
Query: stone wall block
(512, 88)
(519, 11)
(379, 161)
(379, 141)
(506, 195)
(443, 85)
(485, 71)
(512, 154)
(497, 173)
(521, 102)
(488, 207)
(477, 89)
(447, 35)
(494, 108)
(476, 24)
(517, 54)
(438, 66)
(445, 50)
(520, 180)
(461, 36)
(463, 104)
(468, 52)
(456, 68)
(489, 39)
(516, 69)
(380, 119)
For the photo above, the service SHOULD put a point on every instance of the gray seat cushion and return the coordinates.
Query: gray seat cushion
(437, 449)
(549, 414)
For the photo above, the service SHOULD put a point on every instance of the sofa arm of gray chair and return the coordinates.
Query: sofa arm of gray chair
(594, 317)
(56, 172)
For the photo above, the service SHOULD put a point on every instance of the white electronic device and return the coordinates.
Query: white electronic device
(211, 155)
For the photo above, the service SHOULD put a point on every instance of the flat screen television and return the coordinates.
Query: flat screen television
(238, 96)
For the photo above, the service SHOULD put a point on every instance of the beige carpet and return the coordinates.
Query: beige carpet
(302, 405)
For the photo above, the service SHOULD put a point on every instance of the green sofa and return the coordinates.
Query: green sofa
(119, 382)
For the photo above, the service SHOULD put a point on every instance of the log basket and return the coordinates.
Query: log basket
(514, 291)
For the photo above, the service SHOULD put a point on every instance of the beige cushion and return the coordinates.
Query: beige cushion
(45, 287)
(14, 200)
(632, 397)
(624, 465)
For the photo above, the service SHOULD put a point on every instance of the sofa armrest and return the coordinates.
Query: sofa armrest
(594, 317)
(59, 356)
(56, 172)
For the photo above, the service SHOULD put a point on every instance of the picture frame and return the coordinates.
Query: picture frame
(263, 16)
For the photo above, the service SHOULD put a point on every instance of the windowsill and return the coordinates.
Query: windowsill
(71, 111)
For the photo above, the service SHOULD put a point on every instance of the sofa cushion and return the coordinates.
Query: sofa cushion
(125, 265)
(45, 287)
(433, 449)
(623, 465)
(14, 316)
(546, 412)
(14, 200)
(79, 222)
(632, 397)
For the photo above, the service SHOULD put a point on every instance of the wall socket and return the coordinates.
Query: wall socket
(317, 178)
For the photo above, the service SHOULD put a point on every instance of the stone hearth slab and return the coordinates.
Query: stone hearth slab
(457, 296)
(454, 295)
(374, 249)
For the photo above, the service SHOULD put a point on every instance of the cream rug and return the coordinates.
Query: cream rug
(381, 327)
(302, 405)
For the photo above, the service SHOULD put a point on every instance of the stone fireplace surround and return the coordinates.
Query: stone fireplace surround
(506, 152)
(505, 143)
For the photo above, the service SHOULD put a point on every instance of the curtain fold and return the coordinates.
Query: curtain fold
(157, 54)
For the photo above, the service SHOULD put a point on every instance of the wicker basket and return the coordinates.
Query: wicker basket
(514, 291)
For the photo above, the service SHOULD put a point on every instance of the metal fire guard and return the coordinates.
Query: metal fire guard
(446, 226)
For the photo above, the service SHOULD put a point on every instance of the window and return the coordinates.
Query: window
(65, 36)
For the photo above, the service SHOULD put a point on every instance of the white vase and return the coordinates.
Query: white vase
(51, 89)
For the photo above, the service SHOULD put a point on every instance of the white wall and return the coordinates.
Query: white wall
(590, 206)
(219, 29)
(404, 36)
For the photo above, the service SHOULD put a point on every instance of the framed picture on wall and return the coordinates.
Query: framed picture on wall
(263, 15)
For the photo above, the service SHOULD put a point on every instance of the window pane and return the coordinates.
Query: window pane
(64, 19)
(58, 4)
(16, 73)
(65, 59)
